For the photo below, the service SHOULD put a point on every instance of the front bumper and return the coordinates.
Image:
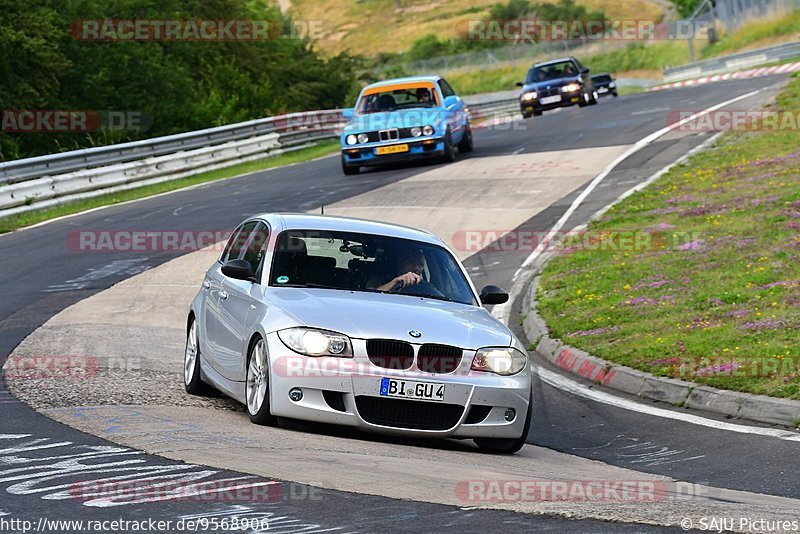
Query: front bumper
(567, 99)
(346, 391)
(357, 156)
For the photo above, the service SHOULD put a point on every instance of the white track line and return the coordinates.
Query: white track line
(503, 311)
(570, 386)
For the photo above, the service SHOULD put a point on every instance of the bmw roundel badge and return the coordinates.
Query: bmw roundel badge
(415, 333)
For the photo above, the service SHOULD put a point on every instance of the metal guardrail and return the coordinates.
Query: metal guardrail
(29, 168)
(35, 183)
(732, 62)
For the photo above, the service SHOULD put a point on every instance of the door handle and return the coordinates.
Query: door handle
(206, 284)
(223, 295)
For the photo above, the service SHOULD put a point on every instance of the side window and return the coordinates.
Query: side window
(237, 241)
(446, 89)
(255, 247)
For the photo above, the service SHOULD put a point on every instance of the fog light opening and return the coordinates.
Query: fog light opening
(296, 394)
(511, 414)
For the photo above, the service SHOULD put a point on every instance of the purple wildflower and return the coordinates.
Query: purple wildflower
(722, 368)
(691, 245)
(635, 301)
(765, 324)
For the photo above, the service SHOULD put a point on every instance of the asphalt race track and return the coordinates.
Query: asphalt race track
(42, 276)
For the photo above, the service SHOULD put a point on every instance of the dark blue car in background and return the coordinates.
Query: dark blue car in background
(554, 84)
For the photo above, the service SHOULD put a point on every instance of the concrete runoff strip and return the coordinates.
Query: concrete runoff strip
(134, 334)
(487, 194)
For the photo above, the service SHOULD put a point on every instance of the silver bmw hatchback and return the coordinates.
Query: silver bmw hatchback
(357, 323)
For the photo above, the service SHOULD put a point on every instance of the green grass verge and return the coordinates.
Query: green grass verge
(714, 296)
(756, 33)
(14, 222)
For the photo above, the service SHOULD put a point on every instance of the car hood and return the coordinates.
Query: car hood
(364, 315)
(406, 118)
(558, 82)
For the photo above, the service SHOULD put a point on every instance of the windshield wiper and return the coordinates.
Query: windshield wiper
(312, 285)
(431, 297)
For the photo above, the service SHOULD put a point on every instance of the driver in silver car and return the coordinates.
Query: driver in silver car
(410, 264)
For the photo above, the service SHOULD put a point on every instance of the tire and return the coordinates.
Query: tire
(257, 385)
(466, 141)
(348, 170)
(537, 112)
(584, 100)
(191, 363)
(507, 446)
(527, 115)
(615, 94)
(449, 155)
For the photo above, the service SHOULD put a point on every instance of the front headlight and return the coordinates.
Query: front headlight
(427, 130)
(363, 138)
(350, 139)
(502, 361)
(571, 87)
(529, 96)
(314, 342)
(612, 85)
(416, 131)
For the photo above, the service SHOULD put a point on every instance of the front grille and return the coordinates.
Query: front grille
(549, 92)
(438, 358)
(391, 134)
(416, 415)
(390, 354)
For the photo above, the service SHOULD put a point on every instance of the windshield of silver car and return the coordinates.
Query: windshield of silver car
(363, 262)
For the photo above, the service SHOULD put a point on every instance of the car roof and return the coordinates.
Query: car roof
(550, 62)
(406, 79)
(308, 221)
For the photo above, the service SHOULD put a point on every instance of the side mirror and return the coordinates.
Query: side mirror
(585, 70)
(239, 270)
(450, 101)
(348, 114)
(519, 84)
(493, 295)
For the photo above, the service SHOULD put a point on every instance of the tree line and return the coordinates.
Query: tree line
(170, 85)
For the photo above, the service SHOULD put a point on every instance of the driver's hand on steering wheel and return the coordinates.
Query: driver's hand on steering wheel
(407, 279)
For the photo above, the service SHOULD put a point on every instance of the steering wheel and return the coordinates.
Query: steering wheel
(423, 289)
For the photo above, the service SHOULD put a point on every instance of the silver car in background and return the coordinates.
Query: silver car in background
(315, 318)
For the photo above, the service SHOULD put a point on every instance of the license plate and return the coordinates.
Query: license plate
(394, 149)
(551, 99)
(409, 389)
(602, 90)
